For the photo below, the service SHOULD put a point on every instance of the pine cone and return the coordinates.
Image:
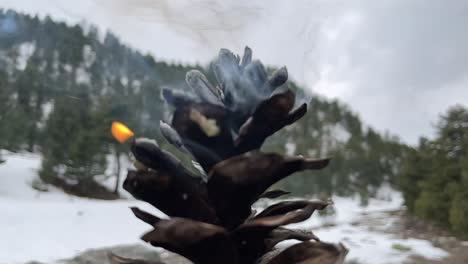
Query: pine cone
(223, 127)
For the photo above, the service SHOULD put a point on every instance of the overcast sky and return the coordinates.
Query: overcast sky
(398, 63)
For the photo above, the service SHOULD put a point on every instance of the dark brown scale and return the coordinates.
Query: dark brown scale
(173, 195)
(269, 117)
(310, 253)
(288, 206)
(199, 242)
(236, 183)
(167, 185)
(256, 236)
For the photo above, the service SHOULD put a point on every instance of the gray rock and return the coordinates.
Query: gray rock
(99, 256)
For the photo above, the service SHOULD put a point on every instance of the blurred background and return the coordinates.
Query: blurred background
(386, 81)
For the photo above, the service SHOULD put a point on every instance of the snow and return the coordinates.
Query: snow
(51, 226)
(350, 226)
(367, 244)
(340, 133)
(290, 148)
(369, 247)
(89, 56)
(17, 174)
(332, 135)
(47, 108)
(25, 51)
(47, 230)
(109, 179)
(68, 68)
(82, 76)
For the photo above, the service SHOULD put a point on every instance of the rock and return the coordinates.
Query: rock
(442, 240)
(172, 258)
(99, 256)
(446, 242)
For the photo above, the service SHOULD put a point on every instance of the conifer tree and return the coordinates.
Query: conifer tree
(434, 175)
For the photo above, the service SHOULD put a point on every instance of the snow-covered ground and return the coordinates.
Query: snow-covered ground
(368, 241)
(52, 226)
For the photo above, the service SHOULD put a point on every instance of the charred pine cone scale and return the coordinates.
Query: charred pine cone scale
(222, 127)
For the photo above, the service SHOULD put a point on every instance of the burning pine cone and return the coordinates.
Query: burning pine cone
(223, 127)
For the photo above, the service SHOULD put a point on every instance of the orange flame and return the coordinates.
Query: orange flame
(121, 132)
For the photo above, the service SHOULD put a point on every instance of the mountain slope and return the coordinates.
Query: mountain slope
(61, 87)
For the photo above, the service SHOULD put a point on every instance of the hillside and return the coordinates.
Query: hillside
(67, 225)
(61, 86)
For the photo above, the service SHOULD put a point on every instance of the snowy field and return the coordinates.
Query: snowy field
(51, 226)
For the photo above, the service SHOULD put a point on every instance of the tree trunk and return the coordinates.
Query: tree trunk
(117, 180)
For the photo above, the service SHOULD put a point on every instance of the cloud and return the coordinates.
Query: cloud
(402, 62)
(398, 63)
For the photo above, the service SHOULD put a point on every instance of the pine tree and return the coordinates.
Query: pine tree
(434, 176)
(74, 146)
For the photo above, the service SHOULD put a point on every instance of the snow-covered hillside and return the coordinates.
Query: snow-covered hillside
(52, 226)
